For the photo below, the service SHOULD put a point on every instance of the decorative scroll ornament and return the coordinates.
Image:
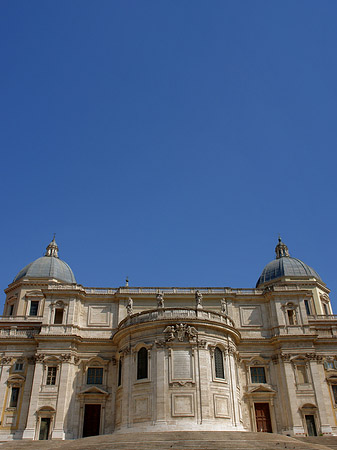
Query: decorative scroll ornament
(180, 331)
(231, 349)
(202, 343)
(77, 360)
(5, 360)
(275, 359)
(285, 356)
(160, 344)
(129, 307)
(65, 357)
(160, 300)
(313, 357)
(39, 357)
(125, 351)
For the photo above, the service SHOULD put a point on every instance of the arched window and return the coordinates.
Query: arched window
(218, 362)
(142, 364)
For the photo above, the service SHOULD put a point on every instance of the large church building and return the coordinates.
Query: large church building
(78, 361)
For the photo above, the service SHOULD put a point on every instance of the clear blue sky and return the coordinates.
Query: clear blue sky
(170, 141)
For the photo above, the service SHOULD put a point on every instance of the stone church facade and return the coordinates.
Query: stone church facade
(77, 361)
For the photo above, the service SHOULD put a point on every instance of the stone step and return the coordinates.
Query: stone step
(197, 440)
(329, 441)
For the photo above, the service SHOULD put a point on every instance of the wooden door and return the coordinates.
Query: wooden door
(262, 415)
(92, 419)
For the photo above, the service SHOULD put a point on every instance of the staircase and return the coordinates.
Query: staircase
(181, 440)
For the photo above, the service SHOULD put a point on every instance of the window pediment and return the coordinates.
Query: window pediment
(16, 380)
(94, 390)
(262, 389)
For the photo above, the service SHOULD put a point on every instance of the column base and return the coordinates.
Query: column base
(29, 433)
(58, 434)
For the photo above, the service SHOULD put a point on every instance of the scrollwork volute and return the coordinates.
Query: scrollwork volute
(5, 360)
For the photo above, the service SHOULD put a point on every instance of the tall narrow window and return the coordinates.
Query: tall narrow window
(218, 361)
(258, 375)
(51, 375)
(34, 306)
(334, 393)
(58, 317)
(14, 397)
(11, 310)
(142, 364)
(307, 307)
(119, 373)
(326, 309)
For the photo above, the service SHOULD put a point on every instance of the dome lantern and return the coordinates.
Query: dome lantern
(281, 249)
(52, 249)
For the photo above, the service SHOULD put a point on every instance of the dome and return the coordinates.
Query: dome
(285, 266)
(48, 266)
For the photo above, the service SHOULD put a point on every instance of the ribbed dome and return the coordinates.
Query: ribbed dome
(285, 266)
(48, 266)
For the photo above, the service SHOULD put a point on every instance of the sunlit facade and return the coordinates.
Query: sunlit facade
(78, 361)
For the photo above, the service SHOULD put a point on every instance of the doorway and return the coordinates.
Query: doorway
(92, 419)
(44, 429)
(262, 416)
(311, 426)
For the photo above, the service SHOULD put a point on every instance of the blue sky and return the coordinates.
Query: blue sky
(170, 141)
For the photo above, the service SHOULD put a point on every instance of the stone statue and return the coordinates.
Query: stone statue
(160, 300)
(224, 306)
(129, 307)
(198, 299)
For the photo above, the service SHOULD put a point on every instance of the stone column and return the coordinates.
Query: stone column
(318, 380)
(5, 364)
(26, 396)
(63, 399)
(233, 389)
(29, 432)
(295, 425)
(160, 383)
(127, 388)
(203, 391)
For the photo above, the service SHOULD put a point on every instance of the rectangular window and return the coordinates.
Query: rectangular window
(95, 375)
(58, 318)
(334, 393)
(291, 317)
(51, 376)
(11, 310)
(18, 367)
(329, 365)
(34, 306)
(302, 374)
(307, 307)
(258, 375)
(326, 309)
(14, 397)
